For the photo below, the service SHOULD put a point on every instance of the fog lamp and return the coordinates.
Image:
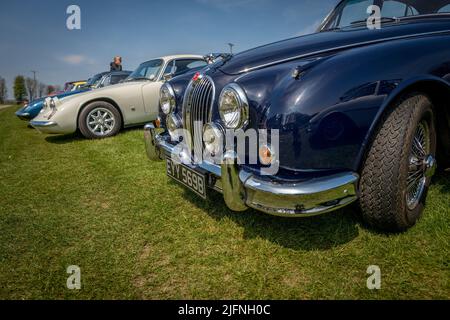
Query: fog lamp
(212, 139)
(173, 123)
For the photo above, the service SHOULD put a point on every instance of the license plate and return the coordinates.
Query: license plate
(190, 178)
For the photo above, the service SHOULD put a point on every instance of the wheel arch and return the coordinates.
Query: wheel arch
(108, 100)
(438, 91)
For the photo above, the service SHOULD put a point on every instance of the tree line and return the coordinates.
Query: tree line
(26, 89)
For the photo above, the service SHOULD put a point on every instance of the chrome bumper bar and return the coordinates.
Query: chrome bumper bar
(242, 189)
(43, 124)
(23, 115)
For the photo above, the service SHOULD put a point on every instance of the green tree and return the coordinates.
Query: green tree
(3, 90)
(19, 88)
(50, 89)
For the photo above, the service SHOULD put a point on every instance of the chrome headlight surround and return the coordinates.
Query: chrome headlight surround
(52, 104)
(167, 98)
(48, 105)
(44, 106)
(233, 107)
(213, 139)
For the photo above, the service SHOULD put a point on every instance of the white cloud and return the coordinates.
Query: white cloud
(76, 59)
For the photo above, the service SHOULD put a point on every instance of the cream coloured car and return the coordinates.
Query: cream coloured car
(104, 112)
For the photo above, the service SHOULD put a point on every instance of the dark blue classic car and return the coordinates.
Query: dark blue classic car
(32, 109)
(354, 112)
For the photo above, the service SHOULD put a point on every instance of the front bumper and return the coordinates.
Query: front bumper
(44, 126)
(22, 115)
(242, 189)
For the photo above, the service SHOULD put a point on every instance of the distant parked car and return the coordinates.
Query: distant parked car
(111, 78)
(74, 85)
(104, 112)
(32, 109)
(358, 114)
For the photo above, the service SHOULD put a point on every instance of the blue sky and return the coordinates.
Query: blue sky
(33, 34)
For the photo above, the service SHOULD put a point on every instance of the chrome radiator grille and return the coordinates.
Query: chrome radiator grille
(198, 101)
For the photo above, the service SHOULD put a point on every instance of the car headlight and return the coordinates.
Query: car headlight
(233, 107)
(212, 139)
(167, 99)
(173, 123)
(52, 104)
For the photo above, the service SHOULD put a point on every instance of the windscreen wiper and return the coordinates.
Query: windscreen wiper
(382, 19)
(361, 22)
(138, 79)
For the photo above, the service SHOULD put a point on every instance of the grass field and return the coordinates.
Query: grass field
(103, 206)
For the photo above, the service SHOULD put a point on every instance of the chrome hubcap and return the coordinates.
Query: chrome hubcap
(100, 121)
(422, 165)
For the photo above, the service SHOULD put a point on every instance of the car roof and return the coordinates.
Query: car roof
(177, 56)
(75, 82)
(120, 72)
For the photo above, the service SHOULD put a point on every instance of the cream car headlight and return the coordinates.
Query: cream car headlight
(167, 99)
(173, 123)
(233, 107)
(213, 139)
(52, 104)
(45, 106)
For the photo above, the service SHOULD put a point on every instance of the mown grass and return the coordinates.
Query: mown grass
(103, 206)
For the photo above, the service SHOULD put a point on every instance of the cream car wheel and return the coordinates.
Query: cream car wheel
(99, 120)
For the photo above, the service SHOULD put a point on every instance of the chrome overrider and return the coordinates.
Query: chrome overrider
(242, 189)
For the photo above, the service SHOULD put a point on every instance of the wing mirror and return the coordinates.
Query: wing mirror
(167, 76)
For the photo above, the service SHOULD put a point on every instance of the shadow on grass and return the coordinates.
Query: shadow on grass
(63, 139)
(69, 138)
(442, 181)
(315, 233)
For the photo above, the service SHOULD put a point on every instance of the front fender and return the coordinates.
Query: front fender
(327, 116)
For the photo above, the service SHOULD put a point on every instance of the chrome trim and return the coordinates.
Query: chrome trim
(308, 198)
(232, 188)
(150, 135)
(211, 167)
(430, 166)
(172, 101)
(243, 101)
(421, 164)
(43, 124)
(353, 45)
(242, 189)
(22, 115)
(190, 99)
(158, 147)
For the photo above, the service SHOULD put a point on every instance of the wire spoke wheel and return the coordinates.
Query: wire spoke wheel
(100, 121)
(418, 165)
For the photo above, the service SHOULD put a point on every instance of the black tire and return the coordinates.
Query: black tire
(110, 124)
(385, 201)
